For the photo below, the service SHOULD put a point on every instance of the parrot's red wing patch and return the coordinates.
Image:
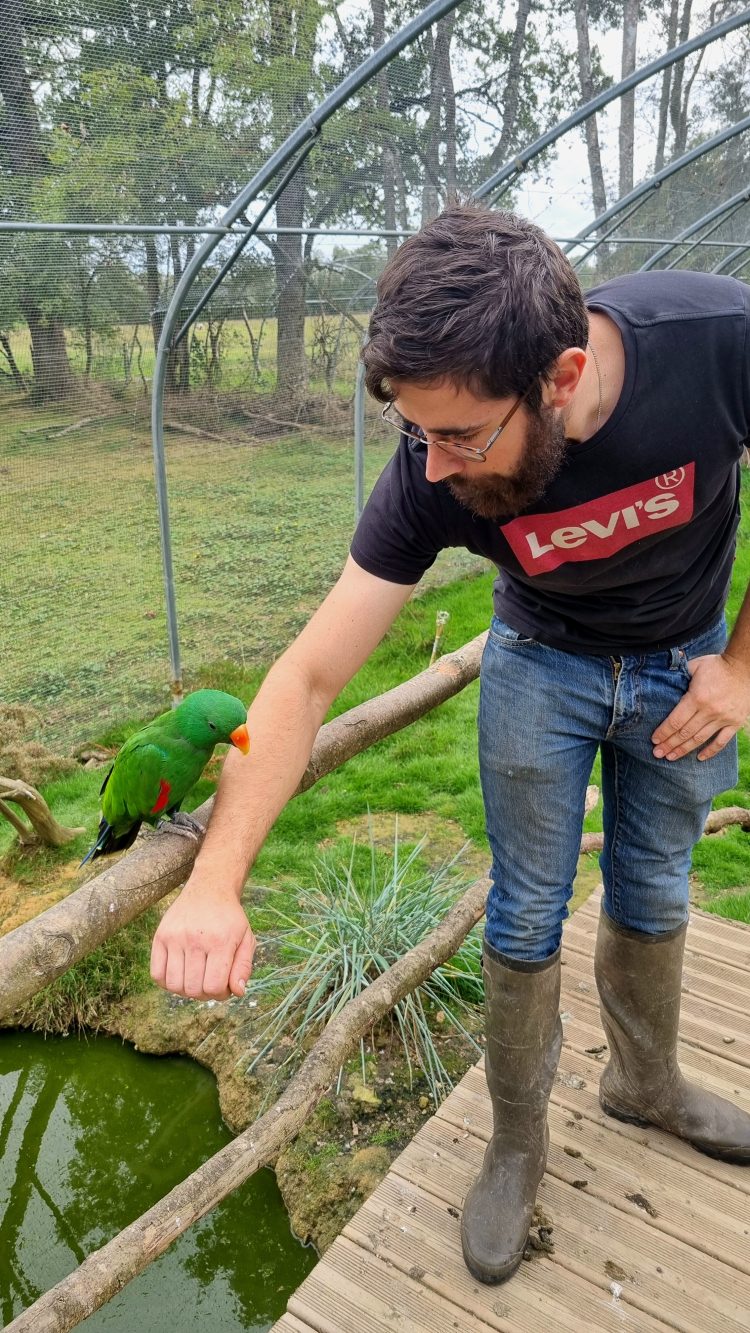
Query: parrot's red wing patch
(163, 798)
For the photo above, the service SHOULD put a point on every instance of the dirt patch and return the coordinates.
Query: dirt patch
(443, 838)
(20, 902)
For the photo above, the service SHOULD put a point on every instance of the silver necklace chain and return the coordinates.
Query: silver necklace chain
(599, 379)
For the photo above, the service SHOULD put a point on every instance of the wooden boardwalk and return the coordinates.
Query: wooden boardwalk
(648, 1234)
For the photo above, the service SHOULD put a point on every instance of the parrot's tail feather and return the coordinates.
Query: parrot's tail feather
(108, 841)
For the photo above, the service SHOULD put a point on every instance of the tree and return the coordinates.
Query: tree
(24, 155)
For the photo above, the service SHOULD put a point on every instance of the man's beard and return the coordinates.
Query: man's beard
(503, 497)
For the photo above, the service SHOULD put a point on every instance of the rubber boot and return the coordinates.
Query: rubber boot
(639, 978)
(524, 1035)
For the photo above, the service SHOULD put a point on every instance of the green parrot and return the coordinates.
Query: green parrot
(156, 768)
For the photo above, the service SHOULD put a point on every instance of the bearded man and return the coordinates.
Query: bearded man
(590, 449)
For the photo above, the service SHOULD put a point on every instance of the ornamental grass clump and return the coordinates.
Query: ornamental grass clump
(356, 920)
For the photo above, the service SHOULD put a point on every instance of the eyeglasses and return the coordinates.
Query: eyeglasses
(394, 418)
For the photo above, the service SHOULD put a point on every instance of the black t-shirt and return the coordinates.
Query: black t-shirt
(630, 548)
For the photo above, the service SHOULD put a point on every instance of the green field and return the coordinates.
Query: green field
(259, 534)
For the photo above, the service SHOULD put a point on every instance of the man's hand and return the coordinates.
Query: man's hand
(204, 947)
(716, 705)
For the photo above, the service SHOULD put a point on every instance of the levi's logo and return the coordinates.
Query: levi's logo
(601, 527)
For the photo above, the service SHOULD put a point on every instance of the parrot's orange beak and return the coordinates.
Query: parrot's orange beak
(240, 738)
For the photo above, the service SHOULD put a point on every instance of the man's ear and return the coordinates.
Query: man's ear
(564, 377)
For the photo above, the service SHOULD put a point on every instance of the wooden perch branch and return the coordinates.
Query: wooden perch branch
(35, 953)
(44, 826)
(106, 1271)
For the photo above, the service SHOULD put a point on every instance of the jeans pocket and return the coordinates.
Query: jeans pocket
(710, 641)
(507, 636)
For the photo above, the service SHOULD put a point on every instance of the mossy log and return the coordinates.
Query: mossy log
(106, 1271)
(40, 950)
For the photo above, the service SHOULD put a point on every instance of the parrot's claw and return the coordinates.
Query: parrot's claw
(182, 824)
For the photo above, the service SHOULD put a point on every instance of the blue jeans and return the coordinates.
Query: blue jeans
(543, 714)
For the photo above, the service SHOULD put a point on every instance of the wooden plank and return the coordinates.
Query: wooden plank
(581, 932)
(582, 1104)
(351, 1291)
(547, 1296)
(715, 1216)
(670, 1282)
(711, 1071)
(701, 1024)
(289, 1323)
(730, 990)
(711, 934)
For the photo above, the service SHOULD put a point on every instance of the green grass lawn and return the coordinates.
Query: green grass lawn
(258, 535)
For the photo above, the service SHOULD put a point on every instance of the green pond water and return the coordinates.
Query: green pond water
(92, 1133)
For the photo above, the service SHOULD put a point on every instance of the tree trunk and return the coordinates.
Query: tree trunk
(627, 102)
(401, 195)
(22, 141)
(449, 99)
(182, 352)
(439, 50)
(44, 826)
(598, 191)
(53, 378)
(388, 156)
(291, 290)
(666, 81)
(678, 114)
(499, 155)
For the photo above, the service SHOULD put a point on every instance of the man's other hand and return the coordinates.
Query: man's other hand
(714, 708)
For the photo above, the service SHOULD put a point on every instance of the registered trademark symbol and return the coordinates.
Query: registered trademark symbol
(669, 480)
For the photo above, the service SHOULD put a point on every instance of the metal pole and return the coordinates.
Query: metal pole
(605, 236)
(517, 164)
(719, 223)
(359, 442)
(655, 181)
(309, 128)
(165, 229)
(126, 229)
(729, 206)
(729, 259)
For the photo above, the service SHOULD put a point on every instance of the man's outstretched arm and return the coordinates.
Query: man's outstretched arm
(204, 946)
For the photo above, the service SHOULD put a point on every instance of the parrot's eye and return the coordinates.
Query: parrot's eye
(212, 726)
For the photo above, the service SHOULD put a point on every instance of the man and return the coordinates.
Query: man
(592, 451)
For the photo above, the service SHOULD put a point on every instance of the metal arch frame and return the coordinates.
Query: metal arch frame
(728, 259)
(639, 194)
(517, 164)
(299, 142)
(718, 215)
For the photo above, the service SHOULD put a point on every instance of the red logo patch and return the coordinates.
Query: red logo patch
(601, 527)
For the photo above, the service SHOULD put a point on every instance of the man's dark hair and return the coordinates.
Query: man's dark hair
(481, 297)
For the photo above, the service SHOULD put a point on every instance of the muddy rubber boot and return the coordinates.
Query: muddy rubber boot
(639, 978)
(524, 1035)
